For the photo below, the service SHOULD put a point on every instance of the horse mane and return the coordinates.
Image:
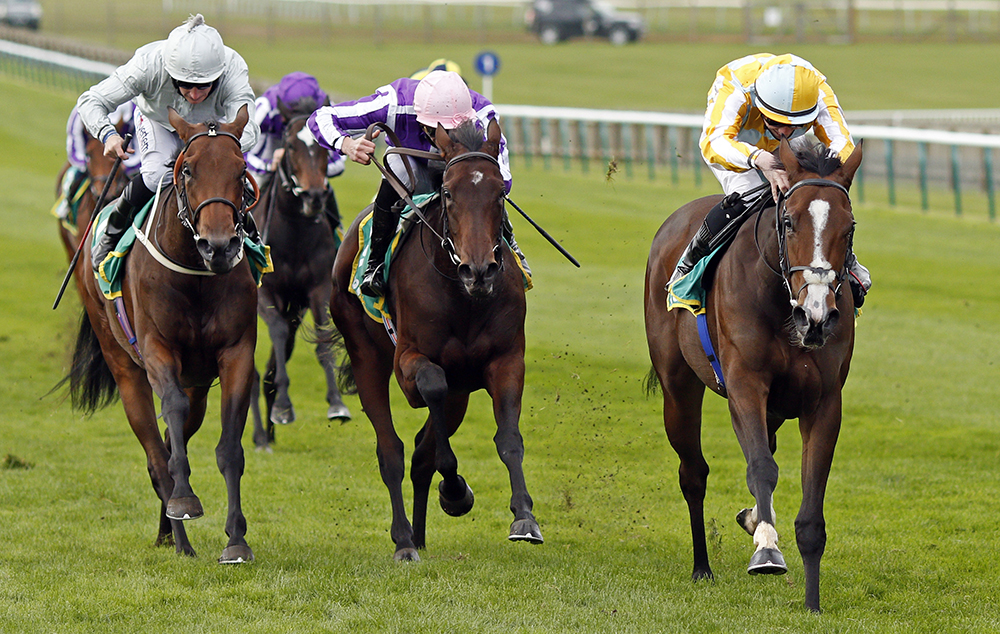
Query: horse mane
(469, 134)
(818, 159)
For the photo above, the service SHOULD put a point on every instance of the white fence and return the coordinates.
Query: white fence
(664, 144)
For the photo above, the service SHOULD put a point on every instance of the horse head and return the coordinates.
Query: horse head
(472, 200)
(303, 165)
(815, 228)
(208, 177)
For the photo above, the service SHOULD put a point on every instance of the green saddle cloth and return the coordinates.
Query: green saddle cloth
(109, 274)
(375, 306)
(689, 292)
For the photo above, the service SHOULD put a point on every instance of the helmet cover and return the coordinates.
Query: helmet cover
(787, 92)
(194, 53)
(442, 97)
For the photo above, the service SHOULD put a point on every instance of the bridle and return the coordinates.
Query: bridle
(190, 219)
(444, 238)
(785, 271)
(289, 181)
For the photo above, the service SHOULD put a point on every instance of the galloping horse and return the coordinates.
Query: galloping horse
(191, 298)
(457, 295)
(784, 336)
(292, 214)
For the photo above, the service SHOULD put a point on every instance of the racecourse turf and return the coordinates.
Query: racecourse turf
(910, 509)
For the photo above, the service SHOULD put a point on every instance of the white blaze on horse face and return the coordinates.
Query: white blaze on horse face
(819, 282)
(306, 136)
(477, 176)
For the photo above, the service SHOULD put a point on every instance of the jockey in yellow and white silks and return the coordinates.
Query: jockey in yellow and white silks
(753, 91)
(754, 102)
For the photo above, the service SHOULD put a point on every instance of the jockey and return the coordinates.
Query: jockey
(438, 64)
(412, 109)
(296, 91)
(76, 153)
(192, 72)
(754, 102)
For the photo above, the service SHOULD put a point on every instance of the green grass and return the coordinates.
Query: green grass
(912, 544)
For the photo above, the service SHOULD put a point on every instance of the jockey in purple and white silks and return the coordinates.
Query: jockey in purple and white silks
(412, 109)
(294, 91)
(76, 153)
(191, 71)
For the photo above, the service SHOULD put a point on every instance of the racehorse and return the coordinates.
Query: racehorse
(292, 212)
(784, 335)
(191, 299)
(457, 296)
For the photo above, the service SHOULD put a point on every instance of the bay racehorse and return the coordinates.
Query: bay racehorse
(292, 214)
(457, 295)
(783, 331)
(190, 298)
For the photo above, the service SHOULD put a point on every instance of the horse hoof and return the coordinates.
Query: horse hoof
(338, 412)
(188, 508)
(456, 508)
(702, 575)
(744, 522)
(525, 531)
(283, 416)
(406, 554)
(238, 554)
(767, 561)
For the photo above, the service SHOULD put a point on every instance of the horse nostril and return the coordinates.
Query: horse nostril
(800, 318)
(831, 320)
(491, 271)
(205, 248)
(465, 273)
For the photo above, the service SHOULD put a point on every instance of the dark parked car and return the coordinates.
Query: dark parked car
(558, 20)
(21, 13)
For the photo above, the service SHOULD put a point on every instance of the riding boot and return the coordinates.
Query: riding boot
(134, 198)
(696, 250)
(250, 228)
(332, 210)
(508, 235)
(384, 224)
(859, 277)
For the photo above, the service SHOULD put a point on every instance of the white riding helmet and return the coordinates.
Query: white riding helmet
(194, 52)
(442, 97)
(787, 91)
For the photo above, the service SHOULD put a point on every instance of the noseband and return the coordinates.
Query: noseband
(785, 272)
(189, 219)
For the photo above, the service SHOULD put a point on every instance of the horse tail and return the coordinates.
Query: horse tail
(345, 372)
(91, 384)
(651, 384)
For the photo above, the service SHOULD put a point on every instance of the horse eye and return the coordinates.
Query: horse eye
(787, 224)
(446, 194)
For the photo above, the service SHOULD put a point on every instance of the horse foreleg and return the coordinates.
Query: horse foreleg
(175, 407)
(236, 375)
(137, 398)
(747, 405)
(819, 437)
(505, 383)
(320, 307)
(282, 332)
(423, 467)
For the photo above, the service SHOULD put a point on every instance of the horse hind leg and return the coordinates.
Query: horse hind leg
(327, 359)
(261, 437)
(282, 332)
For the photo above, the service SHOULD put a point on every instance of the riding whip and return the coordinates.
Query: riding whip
(83, 238)
(545, 234)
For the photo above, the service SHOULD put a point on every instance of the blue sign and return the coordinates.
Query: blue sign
(487, 64)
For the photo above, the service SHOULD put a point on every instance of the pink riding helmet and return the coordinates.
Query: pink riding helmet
(442, 97)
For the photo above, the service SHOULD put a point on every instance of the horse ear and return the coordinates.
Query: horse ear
(442, 140)
(787, 157)
(286, 112)
(241, 120)
(851, 165)
(493, 136)
(183, 128)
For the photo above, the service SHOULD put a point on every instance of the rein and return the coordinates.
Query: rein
(447, 244)
(784, 270)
